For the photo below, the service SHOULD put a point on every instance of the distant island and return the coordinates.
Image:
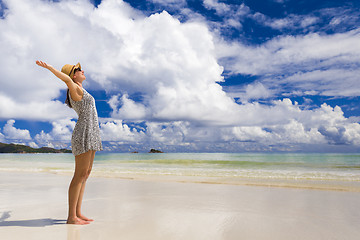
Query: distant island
(155, 151)
(18, 148)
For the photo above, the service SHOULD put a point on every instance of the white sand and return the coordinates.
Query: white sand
(34, 206)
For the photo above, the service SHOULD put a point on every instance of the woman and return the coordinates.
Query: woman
(85, 139)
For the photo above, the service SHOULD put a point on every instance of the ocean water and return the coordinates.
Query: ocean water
(220, 166)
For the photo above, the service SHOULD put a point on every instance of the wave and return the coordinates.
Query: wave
(220, 168)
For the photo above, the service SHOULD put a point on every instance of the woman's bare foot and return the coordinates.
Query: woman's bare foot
(77, 221)
(82, 217)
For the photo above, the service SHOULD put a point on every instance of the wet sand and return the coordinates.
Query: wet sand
(34, 206)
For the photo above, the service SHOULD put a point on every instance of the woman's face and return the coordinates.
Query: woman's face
(79, 75)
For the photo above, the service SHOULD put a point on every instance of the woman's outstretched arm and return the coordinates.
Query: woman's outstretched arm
(75, 91)
(65, 78)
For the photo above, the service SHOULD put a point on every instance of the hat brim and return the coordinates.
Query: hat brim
(78, 65)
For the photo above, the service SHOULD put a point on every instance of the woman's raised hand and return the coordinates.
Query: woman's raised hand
(58, 74)
(43, 64)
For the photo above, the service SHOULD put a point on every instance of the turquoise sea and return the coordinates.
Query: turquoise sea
(343, 168)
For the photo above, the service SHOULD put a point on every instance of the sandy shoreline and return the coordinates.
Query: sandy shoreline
(34, 206)
(328, 185)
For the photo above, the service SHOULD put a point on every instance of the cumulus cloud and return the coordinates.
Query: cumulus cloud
(59, 136)
(169, 63)
(116, 130)
(28, 33)
(125, 108)
(12, 132)
(174, 68)
(318, 127)
(172, 65)
(33, 145)
(173, 133)
(11, 107)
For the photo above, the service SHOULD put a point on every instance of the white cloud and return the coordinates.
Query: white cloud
(171, 3)
(283, 122)
(116, 130)
(59, 136)
(43, 137)
(171, 64)
(175, 68)
(253, 91)
(2, 137)
(169, 133)
(334, 82)
(292, 52)
(291, 21)
(62, 129)
(129, 109)
(352, 134)
(233, 15)
(340, 18)
(10, 107)
(12, 132)
(121, 50)
(219, 7)
(318, 127)
(27, 33)
(311, 62)
(33, 145)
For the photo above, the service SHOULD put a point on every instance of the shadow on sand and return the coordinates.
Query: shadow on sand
(28, 223)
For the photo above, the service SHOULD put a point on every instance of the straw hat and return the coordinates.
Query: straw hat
(68, 69)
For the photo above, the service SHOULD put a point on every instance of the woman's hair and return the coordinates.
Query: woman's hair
(70, 70)
(67, 101)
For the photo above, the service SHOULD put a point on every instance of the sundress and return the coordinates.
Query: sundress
(86, 134)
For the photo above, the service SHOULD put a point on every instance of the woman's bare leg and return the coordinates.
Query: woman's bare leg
(82, 190)
(82, 163)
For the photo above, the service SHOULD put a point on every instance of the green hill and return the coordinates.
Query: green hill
(17, 148)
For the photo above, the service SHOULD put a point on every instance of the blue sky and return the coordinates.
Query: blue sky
(186, 75)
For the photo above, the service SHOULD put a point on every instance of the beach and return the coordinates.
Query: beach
(34, 206)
